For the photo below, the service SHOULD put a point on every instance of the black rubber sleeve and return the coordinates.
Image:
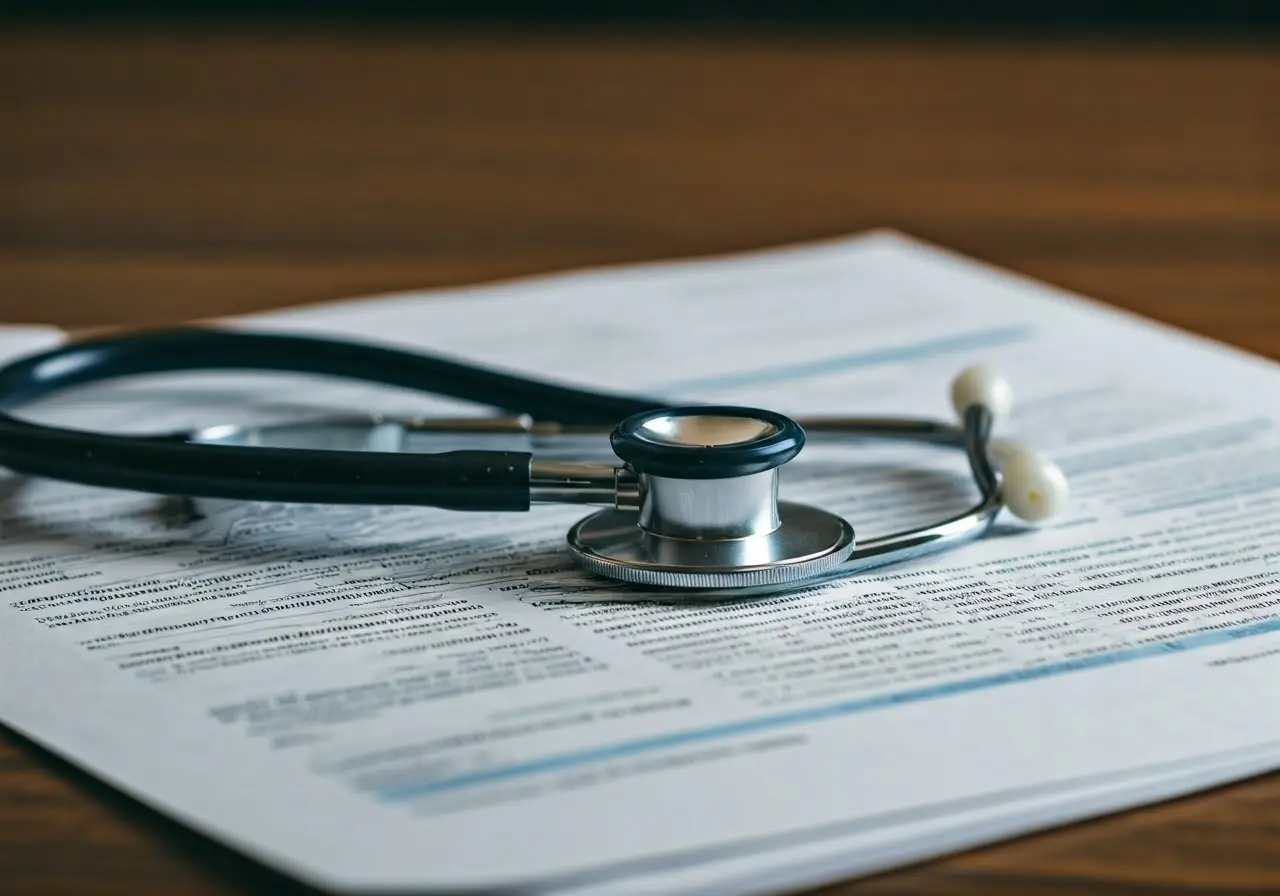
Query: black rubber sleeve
(708, 462)
(454, 480)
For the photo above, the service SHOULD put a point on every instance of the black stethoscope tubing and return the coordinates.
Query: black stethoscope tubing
(476, 480)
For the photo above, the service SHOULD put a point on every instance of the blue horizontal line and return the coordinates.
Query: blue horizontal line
(874, 357)
(816, 714)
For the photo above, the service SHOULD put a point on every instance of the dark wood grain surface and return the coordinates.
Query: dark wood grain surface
(157, 177)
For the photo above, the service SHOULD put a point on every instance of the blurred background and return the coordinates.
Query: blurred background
(167, 162)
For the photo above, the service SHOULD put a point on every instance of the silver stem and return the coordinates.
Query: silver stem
(564, 482)
(519, 423)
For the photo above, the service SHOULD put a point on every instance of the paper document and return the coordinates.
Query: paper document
(19, 339)
(386, 698)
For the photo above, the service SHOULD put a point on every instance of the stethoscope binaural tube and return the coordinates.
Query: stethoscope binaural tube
(690, 497)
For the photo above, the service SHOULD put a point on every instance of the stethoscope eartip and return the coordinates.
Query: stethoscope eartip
(982, 385)
(1034, 488)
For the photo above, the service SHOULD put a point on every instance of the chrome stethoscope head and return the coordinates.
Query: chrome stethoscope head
(704, 512)
(707, 513)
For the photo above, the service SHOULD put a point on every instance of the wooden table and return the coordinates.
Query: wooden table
(157, 177)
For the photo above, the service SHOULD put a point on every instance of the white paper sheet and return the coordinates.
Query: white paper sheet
(937, 831)
(396, 698)
(20, 339)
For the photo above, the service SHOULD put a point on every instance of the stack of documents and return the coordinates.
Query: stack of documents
(390, 698)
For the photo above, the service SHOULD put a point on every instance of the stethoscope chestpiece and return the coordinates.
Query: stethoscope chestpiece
(707, 514)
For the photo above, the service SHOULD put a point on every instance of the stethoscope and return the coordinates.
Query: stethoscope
(689, 500)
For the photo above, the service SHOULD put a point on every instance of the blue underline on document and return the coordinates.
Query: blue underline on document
(891, 354)
(810, 715)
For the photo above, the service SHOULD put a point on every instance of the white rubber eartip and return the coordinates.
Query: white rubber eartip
(982, 385)
(1034, 487)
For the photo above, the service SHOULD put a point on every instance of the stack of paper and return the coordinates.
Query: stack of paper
(383, 698)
